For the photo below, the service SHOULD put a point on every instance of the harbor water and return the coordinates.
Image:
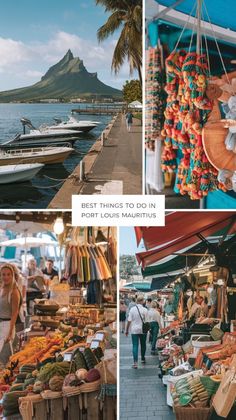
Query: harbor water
(42, 188)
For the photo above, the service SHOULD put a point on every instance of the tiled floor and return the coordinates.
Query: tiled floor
(142, 394)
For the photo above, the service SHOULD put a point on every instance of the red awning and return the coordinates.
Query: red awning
(139, 234)
(180, 225)
(151, 257)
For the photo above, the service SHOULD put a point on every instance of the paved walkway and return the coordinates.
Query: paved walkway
(120, 161)
(142, 394)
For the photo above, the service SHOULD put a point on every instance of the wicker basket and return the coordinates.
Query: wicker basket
(191, 413)
(50, 395)
(69, 391)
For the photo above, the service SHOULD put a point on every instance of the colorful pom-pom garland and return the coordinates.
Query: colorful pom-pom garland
(187, 110)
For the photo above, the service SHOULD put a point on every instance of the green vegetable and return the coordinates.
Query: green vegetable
(90, 358)
(80, 360)
(54, 369)
(10, 402)
(98, 353)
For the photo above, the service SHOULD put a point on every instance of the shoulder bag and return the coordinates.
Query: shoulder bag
(146, 325)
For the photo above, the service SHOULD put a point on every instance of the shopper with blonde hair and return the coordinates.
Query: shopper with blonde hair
(10, 302)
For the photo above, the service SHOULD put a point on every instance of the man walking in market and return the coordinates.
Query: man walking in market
(137, 316)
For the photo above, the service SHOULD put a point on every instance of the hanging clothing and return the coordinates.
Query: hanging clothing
(86, 263)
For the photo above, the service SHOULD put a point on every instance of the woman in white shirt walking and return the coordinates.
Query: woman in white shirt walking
(137, 315)
(154, 318)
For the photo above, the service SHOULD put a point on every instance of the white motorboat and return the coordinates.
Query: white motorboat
(46, 155)
(19, 173)
(73, 124)
(41, 137)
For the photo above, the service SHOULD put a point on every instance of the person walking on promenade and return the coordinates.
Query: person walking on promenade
(123, 310)
(129, 120)
(137, 316)
(154, 318)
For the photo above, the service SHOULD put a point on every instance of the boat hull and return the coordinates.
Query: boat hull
(19, 143)
(57, 157)
(18, 173)
(80, 130)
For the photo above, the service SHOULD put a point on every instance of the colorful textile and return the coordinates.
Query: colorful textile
(86, 263)
(155, 97)
(186, 113)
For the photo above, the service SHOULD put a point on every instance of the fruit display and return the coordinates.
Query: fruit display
(56, 383)
(194, 391)
(54, 369)
(38, 349)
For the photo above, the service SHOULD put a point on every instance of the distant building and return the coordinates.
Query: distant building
(50, 101)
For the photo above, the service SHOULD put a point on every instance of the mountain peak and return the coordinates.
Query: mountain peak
(68, 78)
(69, 55)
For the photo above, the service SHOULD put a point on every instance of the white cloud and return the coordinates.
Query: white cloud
(34, 73)
(32, 60)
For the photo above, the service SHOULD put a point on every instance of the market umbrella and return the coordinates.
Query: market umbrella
(24, 227)
(28, 242)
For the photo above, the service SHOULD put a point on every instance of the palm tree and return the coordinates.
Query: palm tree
(128, 15)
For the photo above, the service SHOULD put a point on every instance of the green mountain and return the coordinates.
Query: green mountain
(65, 80)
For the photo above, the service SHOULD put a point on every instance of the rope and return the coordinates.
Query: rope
(194, 25)
(55, 179)
(207, 51)
(190, 15)
(217, 45)
(48, 188)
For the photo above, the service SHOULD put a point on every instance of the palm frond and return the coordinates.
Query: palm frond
(120, 52)
(112, 24)
(112, 5)
(129, 46)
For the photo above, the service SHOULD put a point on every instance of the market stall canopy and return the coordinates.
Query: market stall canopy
(29, 242)
(181, 225)
(135, 104)
(222, 220)
(220, 13)
(176, 263)
(179, 262)
(142, 286)
(24, 227)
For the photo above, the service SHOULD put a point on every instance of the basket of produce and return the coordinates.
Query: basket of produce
(192, 413)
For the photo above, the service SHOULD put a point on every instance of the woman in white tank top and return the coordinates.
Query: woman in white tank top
(9, 304)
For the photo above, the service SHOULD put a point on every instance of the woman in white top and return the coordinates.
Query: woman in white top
(137, 315)
(10, 301)
(154, 318)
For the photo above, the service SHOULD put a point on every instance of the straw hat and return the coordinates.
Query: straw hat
(213, 136)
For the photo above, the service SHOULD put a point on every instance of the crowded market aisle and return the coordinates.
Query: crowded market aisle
(186, 292)
(142, 394)
(58, 318)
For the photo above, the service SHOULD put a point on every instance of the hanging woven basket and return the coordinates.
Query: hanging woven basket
(213, 136)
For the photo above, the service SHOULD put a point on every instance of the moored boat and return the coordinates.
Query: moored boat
(46, 155)
(73, 124)
(40, 137)
(10, 174)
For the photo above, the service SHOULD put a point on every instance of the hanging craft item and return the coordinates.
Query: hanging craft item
(216, 141)
(172, 127)
(187, 111)
(155, 97)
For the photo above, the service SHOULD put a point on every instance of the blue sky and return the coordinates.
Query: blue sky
(127, 241)
(36, 34)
